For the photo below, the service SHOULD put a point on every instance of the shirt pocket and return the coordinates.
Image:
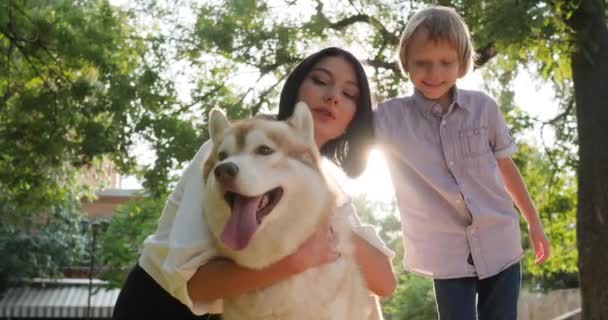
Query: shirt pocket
(474, 141)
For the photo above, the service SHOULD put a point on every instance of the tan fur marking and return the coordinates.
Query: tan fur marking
(240, 131)
(209, 164)
(296, 150)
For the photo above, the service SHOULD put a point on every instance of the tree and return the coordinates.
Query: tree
(42, 249)
(93, 80)
(121, 243)
(589, 65)
(78, 84)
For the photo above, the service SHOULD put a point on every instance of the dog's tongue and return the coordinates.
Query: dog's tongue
(242, 222)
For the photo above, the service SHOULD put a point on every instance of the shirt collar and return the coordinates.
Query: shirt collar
(430, 106)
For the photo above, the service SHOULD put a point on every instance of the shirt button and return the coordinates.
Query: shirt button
(451, 163)
(443, 123)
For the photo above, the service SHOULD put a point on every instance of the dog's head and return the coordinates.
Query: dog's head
(264, 188)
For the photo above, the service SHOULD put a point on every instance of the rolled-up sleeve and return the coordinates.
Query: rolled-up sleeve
(502, 142)
(367, 232)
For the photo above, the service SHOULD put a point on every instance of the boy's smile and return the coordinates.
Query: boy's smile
(433, 66)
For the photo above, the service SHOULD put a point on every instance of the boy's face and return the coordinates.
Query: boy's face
(433, 66)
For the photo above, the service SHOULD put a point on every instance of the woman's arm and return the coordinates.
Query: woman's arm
(376, 267)
(519, 193)
(222, 278)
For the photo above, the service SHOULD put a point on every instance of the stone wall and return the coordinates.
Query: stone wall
(547, 306)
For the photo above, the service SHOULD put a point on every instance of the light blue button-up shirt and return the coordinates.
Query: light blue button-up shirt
(457, 218)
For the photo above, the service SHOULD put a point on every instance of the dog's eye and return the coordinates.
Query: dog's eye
(264, 150)
(222, 155)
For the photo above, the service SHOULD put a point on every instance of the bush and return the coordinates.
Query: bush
(414, 299)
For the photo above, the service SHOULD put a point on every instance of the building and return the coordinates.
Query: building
(59, 299)
(78, 295)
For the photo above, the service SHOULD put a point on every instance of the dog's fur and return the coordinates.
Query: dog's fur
(250, 158)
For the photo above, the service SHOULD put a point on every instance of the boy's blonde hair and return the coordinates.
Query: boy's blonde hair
(442, 24)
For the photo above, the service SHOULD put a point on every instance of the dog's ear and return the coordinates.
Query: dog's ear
(218, 123)
(301, 119)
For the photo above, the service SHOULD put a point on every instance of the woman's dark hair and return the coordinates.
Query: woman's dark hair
(348, 151)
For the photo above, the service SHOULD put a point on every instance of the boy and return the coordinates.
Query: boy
(448, 152)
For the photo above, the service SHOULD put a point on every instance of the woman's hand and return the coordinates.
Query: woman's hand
(318, 249)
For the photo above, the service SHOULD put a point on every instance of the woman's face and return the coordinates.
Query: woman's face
(331, 91)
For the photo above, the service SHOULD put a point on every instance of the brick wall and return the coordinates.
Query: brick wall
(106, 202)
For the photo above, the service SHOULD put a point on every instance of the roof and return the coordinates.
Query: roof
(119, 192)
(58, 299)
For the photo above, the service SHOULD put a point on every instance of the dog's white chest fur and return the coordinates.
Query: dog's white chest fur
(334, 291)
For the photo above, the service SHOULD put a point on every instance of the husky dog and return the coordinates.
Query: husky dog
(265, 194)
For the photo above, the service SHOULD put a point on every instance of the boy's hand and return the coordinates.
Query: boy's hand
(540, 243)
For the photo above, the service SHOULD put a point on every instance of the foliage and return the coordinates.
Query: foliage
(121, 242)
(78, 84)
(414, 299)
(551, 181)
(81, 80)
(555, 198)
(42, 247)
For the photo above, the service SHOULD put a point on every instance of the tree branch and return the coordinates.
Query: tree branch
(548, 151)
(256, 108)
(485, 54)
(195, 101)
(348, 21)
(562, 115)
(351, 20)
(380, 63)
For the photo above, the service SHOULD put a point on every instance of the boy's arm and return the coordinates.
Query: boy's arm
(519, 193)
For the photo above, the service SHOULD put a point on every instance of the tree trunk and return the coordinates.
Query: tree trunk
(590, 76)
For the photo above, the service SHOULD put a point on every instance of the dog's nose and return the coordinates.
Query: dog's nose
(225, 172)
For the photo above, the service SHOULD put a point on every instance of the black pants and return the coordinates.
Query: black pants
(142, 298)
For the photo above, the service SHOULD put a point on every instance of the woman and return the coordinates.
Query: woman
(167, 284)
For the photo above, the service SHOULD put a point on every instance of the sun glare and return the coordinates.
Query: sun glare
(375, 182)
